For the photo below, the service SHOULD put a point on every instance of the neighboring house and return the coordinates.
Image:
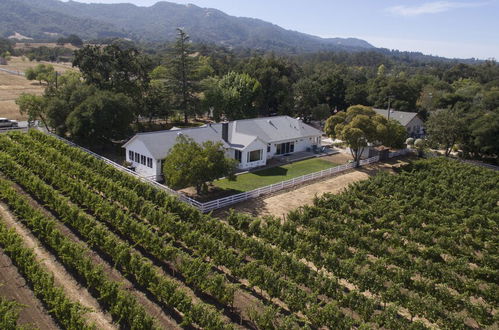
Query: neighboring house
(410, 120)
(250, 141)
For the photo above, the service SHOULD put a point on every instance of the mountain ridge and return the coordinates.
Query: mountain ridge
(158, 23)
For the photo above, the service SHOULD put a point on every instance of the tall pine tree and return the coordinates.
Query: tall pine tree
(182, 72)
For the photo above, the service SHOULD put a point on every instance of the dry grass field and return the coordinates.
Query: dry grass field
(28, 45)
(11, 85)
(18, 64)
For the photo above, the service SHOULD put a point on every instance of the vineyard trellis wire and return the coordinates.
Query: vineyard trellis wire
(233, 199)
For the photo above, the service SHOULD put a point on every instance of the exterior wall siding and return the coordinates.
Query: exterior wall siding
(255, 145)
(143, 170)
(301, 144)
(415, 126)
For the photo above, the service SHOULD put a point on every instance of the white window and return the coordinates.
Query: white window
(142, 159)
(137, 157)
(149, 162)
(130, 155)
(255, 155)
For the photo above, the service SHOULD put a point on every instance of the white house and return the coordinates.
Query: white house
(250, 141)
(410, 120)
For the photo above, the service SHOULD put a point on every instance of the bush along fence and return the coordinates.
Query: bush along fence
(233, 199)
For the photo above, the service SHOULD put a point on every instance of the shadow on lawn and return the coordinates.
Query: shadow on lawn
(213, 193)
(272, 172)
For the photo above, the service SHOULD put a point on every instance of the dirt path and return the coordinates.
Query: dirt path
(13, 287)
(164, 320)
(61, 277)
(282, 202)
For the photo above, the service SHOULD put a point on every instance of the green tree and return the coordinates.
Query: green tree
(34, 106)
(123, 70)
(191, 164)
(100, 117)
(490, 99)
(233, 96)
(158, 100)
(321, 112)
(485, 133)
(446, 128)
(276, 76)
(41, 72)
(118, 68)
(183, 75)
(306, 97)
(64, 99)
(360, 125)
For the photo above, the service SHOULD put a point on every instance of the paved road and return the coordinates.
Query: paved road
(21, 125)
(18, 73)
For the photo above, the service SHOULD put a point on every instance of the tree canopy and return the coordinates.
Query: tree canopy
(104, 115)
(184, 79)
(191, 164)
(41, 72)
(233, 96)
(360, 126)
(446, 128)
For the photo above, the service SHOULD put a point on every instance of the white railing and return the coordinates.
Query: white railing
(233, 199)
(229, 200)
(369, 161)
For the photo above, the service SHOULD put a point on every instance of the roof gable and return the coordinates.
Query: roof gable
(401, 116)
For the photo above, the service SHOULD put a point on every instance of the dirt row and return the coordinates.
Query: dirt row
(66, 280)
(61, 278)
(13, 287)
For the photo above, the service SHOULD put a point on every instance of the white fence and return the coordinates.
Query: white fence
(400, 152)
(229, 200)
(233, 199)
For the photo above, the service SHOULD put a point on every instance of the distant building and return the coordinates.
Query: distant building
(410, 120)
(249, 141)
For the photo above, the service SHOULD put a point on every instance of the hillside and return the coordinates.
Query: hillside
(158, 23)
(43, 23)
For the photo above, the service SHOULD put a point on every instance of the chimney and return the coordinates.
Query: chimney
(225, 131)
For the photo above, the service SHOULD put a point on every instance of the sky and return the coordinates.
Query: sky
(453, 28)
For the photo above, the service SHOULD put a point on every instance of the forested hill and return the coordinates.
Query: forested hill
(34, 18)
(45, 23)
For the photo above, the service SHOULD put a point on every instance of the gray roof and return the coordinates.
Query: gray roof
(273, 129)
(159, 143)
(241, 134)
(402, 117)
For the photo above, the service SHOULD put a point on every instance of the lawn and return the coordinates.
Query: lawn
(250, 181)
